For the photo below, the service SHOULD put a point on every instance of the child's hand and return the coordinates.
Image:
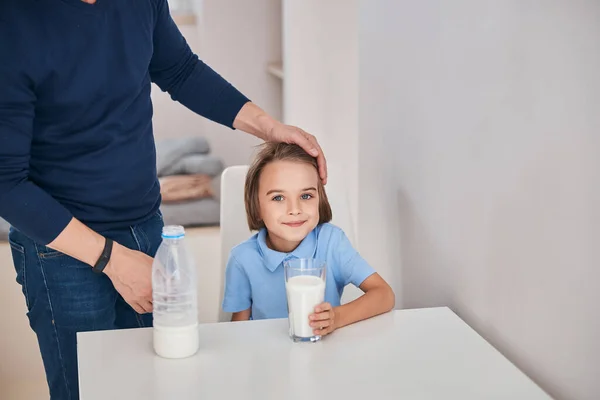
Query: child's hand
(323, 319)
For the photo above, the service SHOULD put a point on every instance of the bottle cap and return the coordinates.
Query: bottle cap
(173, 232)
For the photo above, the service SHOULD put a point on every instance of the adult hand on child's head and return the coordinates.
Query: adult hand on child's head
(291, 134)
(323, 319)
(252, 119)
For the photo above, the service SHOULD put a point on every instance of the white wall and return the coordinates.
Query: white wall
(171, 119)
(485, 118)
(238, 39)
(320, 46)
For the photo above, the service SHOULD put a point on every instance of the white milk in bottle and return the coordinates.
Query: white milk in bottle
(174, 297)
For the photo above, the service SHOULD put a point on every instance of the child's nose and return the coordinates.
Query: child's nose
(294, 208)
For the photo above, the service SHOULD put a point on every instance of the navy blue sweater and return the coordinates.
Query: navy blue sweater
(75, 110)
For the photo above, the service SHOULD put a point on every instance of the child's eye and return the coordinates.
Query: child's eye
(306, 196)
(277, 198)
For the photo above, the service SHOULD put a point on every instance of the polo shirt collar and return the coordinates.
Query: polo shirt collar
(273, 259)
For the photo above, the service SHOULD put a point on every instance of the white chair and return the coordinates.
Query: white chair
(234, 226)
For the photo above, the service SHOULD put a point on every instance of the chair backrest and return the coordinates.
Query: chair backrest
(234, 228)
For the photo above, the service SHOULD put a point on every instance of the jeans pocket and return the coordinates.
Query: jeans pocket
(18, 256)
(151, 232)
(46, 252)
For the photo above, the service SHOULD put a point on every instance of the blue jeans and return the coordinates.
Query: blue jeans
(64, 296)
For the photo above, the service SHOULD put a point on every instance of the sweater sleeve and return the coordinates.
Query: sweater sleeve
(22, 203)
(178, 71)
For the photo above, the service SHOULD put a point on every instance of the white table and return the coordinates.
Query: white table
(411, 355)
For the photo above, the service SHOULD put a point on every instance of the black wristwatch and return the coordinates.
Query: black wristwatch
(104, 257)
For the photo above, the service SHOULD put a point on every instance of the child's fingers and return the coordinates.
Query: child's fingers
(321, 324)
(322, 307)
(322, 320)
(321, 316)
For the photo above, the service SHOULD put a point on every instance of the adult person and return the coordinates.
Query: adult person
(78, 177)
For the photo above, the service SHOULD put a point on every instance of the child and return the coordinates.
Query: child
(286, 202)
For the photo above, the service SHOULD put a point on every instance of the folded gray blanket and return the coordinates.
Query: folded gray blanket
(185, 156)
(195, 164)
(168, 151)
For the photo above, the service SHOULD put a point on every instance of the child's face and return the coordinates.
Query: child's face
(289, 202)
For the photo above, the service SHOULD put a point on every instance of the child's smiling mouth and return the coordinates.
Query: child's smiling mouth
(294, 224)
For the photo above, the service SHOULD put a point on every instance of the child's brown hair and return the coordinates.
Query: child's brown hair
(269, 153)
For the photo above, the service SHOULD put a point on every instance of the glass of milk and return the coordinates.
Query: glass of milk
(305, 288)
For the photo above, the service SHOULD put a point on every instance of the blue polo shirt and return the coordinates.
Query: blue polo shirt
(254, 276)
